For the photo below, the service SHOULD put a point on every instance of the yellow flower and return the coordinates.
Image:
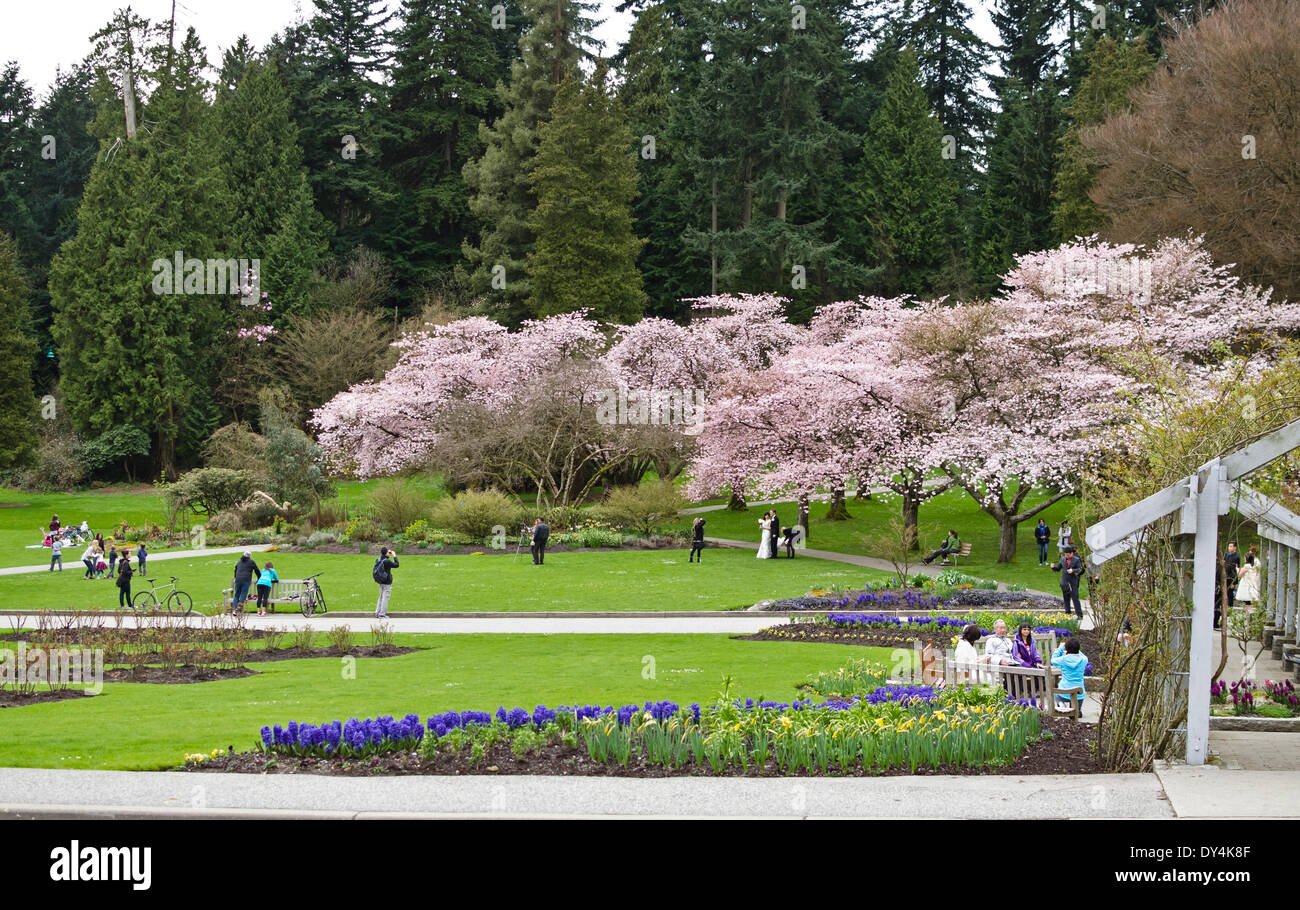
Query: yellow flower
(786, 722)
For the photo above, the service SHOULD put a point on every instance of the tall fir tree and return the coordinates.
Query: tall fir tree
(1028, 52)
(18, 412)
(67, 154)
(130, 355)
(1015, 214)
(343, 123)
(905, 191)
(19, 156)
(585, 179)
(274, 219)
(445, 69)
(557, 39)
(1114, 69)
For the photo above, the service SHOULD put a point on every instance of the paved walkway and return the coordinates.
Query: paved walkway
(72, 561)
(31, 792)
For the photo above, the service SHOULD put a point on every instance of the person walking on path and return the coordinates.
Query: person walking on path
(1063, 537)
(1071, 568)
(56, 554)
(1042, 537)
(245, 571)
(697, 539)
(264, 582)
(541, 531)
(383, 574)
(124, 573)
(140, 556)
(112, 559)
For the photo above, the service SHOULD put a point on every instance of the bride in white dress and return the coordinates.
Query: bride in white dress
(765, 544)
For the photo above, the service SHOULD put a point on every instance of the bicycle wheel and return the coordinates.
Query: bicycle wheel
(320, 601)
(179, 602)
(144, 600)
(308, 603)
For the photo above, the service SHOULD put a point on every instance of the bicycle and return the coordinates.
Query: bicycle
(176, 602)
(312, 597)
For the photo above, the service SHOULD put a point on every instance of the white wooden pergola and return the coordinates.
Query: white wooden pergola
(1216, 488)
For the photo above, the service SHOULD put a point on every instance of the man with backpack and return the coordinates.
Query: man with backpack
(383, 575)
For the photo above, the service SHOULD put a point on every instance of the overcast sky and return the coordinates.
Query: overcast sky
(43, 35)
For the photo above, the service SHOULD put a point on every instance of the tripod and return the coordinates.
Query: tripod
(524, 535)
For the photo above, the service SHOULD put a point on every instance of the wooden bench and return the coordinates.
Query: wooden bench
(284, 591)
(964, 552)
(1036, 684)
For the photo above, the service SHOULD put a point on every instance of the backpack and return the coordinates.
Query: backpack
(381, 573)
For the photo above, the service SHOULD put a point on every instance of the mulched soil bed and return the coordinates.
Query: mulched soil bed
(176, 675)
(1068, 751)
(15, 700)
(255, 656)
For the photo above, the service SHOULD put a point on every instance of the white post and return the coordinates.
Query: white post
(1287, 625)
(1278, 604)
(1270, 578)
(1201, 646)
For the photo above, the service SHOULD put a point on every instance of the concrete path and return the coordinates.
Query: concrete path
(869, 562)
(32, 793)
(72, 560)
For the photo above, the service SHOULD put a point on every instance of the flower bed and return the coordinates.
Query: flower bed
(891, 729)
(910, 599)
(1249, 699)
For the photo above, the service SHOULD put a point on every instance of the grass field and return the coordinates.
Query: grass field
(954, 509)
(612, 580)
(143, 726)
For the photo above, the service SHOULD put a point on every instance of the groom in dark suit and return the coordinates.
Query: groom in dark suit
(776, 533)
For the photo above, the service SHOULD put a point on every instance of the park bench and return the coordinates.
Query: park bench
(963, 552)
(285, 591)
(1037, 684)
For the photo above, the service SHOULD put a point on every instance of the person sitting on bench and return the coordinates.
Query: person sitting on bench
(951, 544)
(1073, 665)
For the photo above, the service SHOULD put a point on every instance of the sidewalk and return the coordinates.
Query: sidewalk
(153, 557)
(33, 793)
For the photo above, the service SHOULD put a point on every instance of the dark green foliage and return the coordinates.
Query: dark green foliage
(585, 180)
(501, 194)
(119, 444)
(17, 403)
(904, 191)
(295, 466)
(207, 491)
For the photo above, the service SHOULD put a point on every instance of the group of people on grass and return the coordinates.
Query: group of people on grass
(1003, 650)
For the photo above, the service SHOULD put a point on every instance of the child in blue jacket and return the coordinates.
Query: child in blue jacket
(1073, 666)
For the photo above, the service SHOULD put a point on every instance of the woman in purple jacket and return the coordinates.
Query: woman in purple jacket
(1025, 653)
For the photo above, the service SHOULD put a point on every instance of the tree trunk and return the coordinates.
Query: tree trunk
(737, 503)
(912, 519)
(838, 510)
(1006, 539)
(803, 517)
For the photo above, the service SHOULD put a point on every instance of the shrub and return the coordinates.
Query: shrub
(362, 529)
(397, 504)
(321, 537)
(237, 447)
(566, 518)
(476, 513)
(417, 531)
(647, 508)
(208, 491)
(341, 638)
(229, 521)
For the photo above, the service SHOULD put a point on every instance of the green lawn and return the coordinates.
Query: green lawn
(614, 580)
(22, 515)
(140, 726)
(954, 509)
